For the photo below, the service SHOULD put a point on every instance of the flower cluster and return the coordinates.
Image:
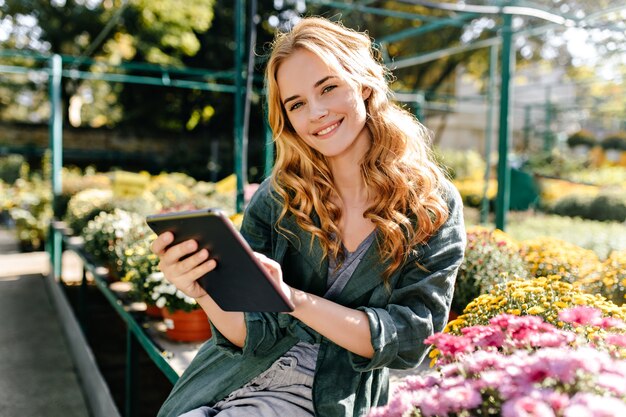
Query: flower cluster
(491, 257)
(545, 297)
(108, 233)
(517, 367)
(85, 205)
(165, 294)
(549, 256)
(609, 279)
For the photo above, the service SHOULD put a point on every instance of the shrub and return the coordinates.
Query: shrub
(582, 137)
(553, 164)
(550, 256)
(609, 205)
(573, 205)
(12, 167)
(491, 256)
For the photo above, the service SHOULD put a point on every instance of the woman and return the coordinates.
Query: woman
(357, 225)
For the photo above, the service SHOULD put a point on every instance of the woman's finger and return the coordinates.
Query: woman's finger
(193, 261)
(173, 254)
(187, 282)
(161, 242)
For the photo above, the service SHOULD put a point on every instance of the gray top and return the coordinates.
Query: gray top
(306, 353)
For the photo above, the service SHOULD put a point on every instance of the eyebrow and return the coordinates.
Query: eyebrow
(317, 84)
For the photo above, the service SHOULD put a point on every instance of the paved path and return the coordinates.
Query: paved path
(37, 375)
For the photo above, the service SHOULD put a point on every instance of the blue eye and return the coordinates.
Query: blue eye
(328, 88)
(295, 106)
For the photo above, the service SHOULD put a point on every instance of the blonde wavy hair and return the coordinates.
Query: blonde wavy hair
(398, 168)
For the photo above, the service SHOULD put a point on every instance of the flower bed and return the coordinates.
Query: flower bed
(520, 367)
(491, 257)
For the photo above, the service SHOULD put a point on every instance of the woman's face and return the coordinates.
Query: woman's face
(326, 111)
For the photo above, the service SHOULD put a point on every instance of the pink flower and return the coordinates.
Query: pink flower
(612, 383)
(417, 382)
(616, 339)
(450, 345)
(401, 403)
(555, 338)
(481, 360)
(609, 323)
(484, 336)
(585, 404)
(526, 407)
(581, 315)
(462, 397)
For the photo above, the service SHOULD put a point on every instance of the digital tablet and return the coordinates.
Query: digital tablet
(239, 282)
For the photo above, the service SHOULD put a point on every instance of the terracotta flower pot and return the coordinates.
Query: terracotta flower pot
(452, 315)
(153, 311)
(187, 326)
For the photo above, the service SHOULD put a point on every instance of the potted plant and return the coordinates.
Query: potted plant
(581, 141)
(614, 145)
(108, 233)
(184, 320)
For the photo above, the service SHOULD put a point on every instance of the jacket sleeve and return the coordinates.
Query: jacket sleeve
(420, 300)
(264, 330)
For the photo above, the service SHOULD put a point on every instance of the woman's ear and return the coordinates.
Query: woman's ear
(366, 92)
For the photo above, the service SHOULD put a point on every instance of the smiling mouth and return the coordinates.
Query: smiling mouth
(328, 129)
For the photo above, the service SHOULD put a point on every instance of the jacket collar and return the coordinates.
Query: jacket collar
(367, 275)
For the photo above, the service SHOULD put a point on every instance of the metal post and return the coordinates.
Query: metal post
(82, 302)
(547, 134)
(56, 147)
(239, 84)
(269, 149)
(504, 173)
(493, 62)
(527, 128)
(132, 358)
(420, 99)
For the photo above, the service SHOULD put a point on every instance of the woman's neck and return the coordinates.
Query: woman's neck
(346, 170)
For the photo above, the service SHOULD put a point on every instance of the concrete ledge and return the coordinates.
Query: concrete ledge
(94, 387)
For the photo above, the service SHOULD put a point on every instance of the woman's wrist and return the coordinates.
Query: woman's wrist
(301, 300)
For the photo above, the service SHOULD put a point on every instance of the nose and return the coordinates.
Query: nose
(318, 111)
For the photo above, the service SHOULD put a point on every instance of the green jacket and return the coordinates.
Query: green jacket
(345, 384)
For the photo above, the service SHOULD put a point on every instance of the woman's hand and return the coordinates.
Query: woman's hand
(276, 273)
(183, 274)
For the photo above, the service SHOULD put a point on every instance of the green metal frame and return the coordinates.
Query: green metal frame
(136, 336)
